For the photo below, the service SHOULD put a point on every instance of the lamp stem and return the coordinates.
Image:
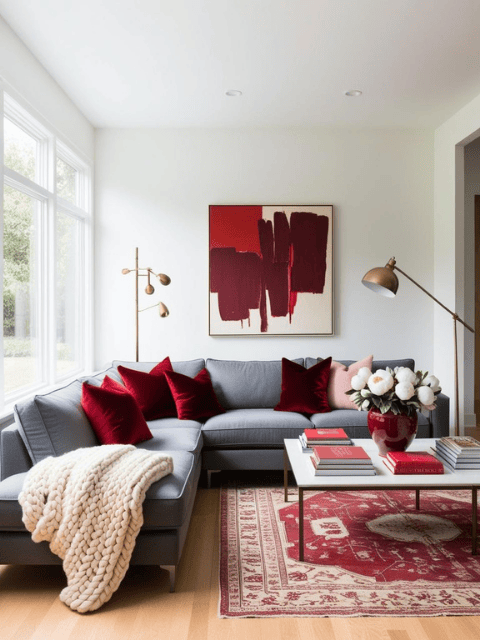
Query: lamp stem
(136, 305)
(452, 313)
(457, 422)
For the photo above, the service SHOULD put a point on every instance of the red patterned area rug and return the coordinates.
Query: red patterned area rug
(366, 554)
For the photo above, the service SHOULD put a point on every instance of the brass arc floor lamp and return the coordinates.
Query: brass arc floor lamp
(383, 280)
(149, 289)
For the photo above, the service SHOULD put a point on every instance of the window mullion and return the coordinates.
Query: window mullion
(70, 209)
(17, 181)
(51, 359)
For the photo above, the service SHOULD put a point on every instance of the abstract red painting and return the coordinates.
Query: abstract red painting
(271, 270)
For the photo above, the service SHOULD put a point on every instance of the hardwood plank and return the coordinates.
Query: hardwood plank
(399, 635)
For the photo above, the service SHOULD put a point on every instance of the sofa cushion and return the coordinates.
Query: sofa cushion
(376, 364)
(347, 418)
(194, 398)
(114, 413)
(10, 508)
(174, 423)
(174, 439)
(151, 390)
(254, 428)
(167, 500)
(188, 368)
(247, 385)
(165, 505)
(54, 423)
(304, 390)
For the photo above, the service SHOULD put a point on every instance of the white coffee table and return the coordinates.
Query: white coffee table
(306, 480)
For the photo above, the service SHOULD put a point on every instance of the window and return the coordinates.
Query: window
(21, 295)
(46, 240)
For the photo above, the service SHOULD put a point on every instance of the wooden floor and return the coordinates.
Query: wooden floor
(143, 608)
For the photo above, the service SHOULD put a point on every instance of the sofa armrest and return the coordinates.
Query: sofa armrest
(14, 456)
(440, 417)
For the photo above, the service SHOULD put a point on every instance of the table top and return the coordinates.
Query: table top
(304, 473)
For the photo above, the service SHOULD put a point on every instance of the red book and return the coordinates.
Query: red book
(403, 462)
(347, 455)
(317, 435)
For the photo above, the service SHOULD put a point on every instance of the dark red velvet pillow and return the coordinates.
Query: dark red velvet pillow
(194, 398)
(304, 390)
(151, 390)
(114, 413)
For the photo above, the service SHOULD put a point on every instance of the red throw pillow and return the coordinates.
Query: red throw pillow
(114, 413)
(304, 390)
(194, 398)
(151, 390)
(113, 385)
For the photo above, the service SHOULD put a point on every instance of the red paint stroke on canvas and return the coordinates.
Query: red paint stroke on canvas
(237, 278)
(292, 295)
(281, 237)
(235, 227)
(309, 234)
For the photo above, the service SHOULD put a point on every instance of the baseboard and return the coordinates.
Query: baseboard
(470, 420)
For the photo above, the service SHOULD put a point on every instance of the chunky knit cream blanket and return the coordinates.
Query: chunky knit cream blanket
(88, 505)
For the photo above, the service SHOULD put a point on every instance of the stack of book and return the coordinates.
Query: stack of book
(459, 452)
(415, 462)
(314, 437)
(341, 461)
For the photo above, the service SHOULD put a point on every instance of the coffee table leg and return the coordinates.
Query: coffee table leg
(417, 499)
(300, 524)
(285, 474)
(474, 521)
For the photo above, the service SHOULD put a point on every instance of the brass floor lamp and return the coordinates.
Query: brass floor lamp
(146, 272)
(383, 280)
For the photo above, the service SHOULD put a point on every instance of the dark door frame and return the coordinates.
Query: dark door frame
(476, 366)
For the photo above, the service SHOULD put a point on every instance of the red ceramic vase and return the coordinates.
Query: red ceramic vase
(391, 432)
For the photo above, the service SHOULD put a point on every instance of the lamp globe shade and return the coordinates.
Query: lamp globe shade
(164, 279)
(162, 310)
(382, 280)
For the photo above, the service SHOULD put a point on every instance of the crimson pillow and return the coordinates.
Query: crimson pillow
(114, 413)
(304, 390)
(151, 390)
(194, 398)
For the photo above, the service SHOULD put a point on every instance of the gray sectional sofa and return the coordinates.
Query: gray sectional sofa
(249, 436)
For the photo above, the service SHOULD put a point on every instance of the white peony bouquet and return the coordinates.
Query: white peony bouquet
(398, 390)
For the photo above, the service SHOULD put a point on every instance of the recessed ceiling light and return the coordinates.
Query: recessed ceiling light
(233, 93)
(353, 93)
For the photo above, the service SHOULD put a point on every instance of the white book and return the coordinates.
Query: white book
(350, 471)
(470, 461)
(461, 445)
(457, 465)
(345, 472)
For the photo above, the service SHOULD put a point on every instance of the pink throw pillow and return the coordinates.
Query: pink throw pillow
(340, 382)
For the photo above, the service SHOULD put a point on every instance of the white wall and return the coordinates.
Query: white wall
(472, 188)
(449, 241)
(153, 188)
(27, 79)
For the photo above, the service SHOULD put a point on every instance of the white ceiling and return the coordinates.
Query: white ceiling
(155, 63)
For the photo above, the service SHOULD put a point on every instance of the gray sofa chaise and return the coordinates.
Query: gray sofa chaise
(249, 435)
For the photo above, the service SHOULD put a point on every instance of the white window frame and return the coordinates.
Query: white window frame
(49, 146)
